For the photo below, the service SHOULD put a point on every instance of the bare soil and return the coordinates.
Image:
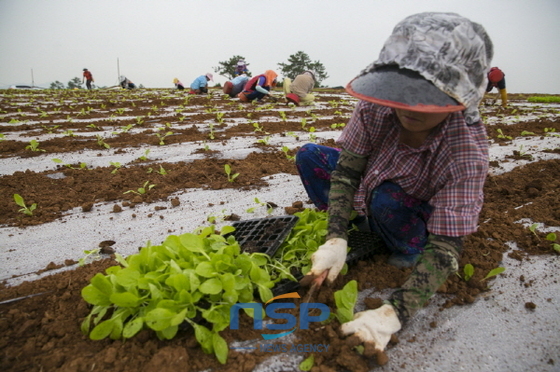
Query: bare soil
(42, 333)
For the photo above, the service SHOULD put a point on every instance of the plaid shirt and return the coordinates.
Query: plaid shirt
(448, 170)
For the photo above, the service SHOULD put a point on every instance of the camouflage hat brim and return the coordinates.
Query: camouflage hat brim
(402, 89)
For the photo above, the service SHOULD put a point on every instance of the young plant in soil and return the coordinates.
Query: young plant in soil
(163, 136)
(264, 141)
(286, 151)
(141, 190)
(468, 272)
(502, 135)
(551, 132)
(33, 146)
(220, 117)
(101, 142)
(269, 209)
(115, 164)
(90, 256)
(307, 363)
(50, 129)
(345, 300)
(145, 156)
(82, 164)
(337, 125)
(551, 237)
(257, 127)
(230, 177)
(28, 211)
(161, 170)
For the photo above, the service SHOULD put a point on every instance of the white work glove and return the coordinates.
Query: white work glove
(375, 326)
(330, 256)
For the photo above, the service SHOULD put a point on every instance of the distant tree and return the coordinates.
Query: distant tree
(299, 63)
(75, 83)
(227, 68)
(140, 86)
(57, 85)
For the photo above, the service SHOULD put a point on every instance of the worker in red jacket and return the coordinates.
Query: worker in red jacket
(496, 78)
(87, 77)
(259, 87)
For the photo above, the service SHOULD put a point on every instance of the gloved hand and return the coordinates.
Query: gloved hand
(331, 256)
(375, 326)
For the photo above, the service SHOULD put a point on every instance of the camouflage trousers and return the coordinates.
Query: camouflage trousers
(439, 260)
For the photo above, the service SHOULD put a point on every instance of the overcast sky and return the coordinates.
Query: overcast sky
(155, 41)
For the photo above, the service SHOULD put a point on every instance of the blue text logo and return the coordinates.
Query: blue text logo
(291, 320)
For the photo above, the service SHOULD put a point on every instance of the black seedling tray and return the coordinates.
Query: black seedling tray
(364, 245)
(263, 235)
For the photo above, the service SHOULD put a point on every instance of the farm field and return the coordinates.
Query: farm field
(118, 169)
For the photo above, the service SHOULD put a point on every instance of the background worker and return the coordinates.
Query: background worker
(496, 78)
(88, 77)
(126, 83)
(413, 159)
(178, 84)
(241, 68)
(258, 87)
(200, 84)
(299, 91)
(235, 85)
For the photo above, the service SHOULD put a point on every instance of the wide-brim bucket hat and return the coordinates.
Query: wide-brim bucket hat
(403, 89)
(432, 62)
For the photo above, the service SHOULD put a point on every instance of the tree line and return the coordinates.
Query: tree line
(297, 64)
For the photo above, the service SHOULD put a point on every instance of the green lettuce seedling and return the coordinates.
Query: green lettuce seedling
(533, 229)
(24, 208)
(468, 270)
(264, 140)
(269, 209)
(163, 136)
(494, 272)
(82, 164)
(33, 146)
(145, 156)
(141, 190)
(552, 238)
(227, 169)
(286, 151)
(345, 300)
(193, 277)
(502, 135)
(307, 363)
(90, 256)
(101, 142)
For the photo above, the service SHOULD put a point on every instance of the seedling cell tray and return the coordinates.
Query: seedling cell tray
(263, 235)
